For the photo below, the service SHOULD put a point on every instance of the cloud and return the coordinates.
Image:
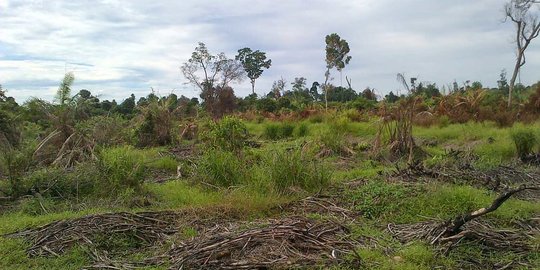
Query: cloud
(116, 48)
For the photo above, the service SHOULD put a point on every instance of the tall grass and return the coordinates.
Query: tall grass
(221, 168)
(292, 169)
(123, 168)
(525, 140)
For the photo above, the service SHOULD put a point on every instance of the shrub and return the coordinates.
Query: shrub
(301, 130)
(221, 168)
(229, 134)
(123, 167)
(287, 130)
(317, 118)
(295, 169)
(444, 121)
(154, 127)
(105, 130)
(354, 115)
(275, 131)
(524, 140)
(271, 131)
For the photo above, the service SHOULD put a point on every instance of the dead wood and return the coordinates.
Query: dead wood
(56, 237)
(454, 226)
(285, 243)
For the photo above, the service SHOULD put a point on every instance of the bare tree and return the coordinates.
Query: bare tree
(527, 28)
(206, 71)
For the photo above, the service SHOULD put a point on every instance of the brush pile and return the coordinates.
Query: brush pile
(285, 243)
(55, 238)
(496, 179)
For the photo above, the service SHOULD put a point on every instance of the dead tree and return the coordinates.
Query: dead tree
(527, 28)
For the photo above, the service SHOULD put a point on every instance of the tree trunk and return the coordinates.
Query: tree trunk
(514, 77)
(253, 86)
(327, 74)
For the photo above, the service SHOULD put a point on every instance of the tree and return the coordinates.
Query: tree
(299, 85)
(278, 87)
(253, 63)
(216, 70)
(63, 94)
(527, 28)
(337, 51)
(313, 91)
(219, 101)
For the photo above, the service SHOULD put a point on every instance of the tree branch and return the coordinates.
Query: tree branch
(455, 225)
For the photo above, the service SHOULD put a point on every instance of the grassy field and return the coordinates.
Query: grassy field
(330, 157)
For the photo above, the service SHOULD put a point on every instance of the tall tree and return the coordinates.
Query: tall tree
(527, 23)
(337, 51)
(205, 70)
(253, 63)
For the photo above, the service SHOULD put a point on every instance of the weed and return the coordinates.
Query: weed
(271, 131)
(525, 140)
(221, 168)
(229, 134)
(123, 167)
(301, 130)
(294, 169)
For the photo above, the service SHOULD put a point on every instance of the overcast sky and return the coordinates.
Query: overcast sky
(116, 48)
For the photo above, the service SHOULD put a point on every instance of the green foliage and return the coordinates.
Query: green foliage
(525, 140)
(301, 130)
(377, 198)
(289, 169)
(155, 125)
(271, 131)
(253, 63)
(123, 167)
(275, 131)
(105, 130)
(221, 168)
(229, 134)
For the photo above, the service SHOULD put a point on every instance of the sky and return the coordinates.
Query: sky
(116, 48)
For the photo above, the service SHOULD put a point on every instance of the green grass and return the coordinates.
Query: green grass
(254, 182)
(397, 203)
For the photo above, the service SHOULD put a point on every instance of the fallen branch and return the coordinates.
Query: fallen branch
(454, 226)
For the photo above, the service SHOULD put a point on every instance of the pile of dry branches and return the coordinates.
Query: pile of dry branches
(286, 243)
(466, 228)
(516, 239)
(496, 179)
(55, 238)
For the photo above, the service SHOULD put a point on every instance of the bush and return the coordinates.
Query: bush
(221, 168)
(287, 130)
(301, 130)
(525, 141)
(294, 169)
(271, 131)
(154, 127)
(229, 134)
(275, 131)
(105, 130)
(123, 167)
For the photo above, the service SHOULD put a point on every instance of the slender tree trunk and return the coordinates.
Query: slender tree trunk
(253, 86)
(517, 67)
(327, 74)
